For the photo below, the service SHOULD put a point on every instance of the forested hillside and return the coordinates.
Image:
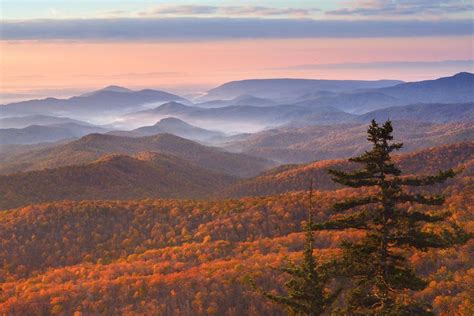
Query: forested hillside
(297, 177)
(196, 257)
(94, 146)
(177, 257)
(320, 142)
(147, 175)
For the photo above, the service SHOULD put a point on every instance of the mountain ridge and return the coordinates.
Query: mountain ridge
(302, 144)
(175, 126)
(289, 178)
(93, 146)
(100, 101)
(45, 133)
(280, 88)
(117, 177)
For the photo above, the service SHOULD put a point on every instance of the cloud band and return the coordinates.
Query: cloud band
(223, 28)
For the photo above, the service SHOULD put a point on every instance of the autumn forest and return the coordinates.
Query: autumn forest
(225, 256)
(236, 158)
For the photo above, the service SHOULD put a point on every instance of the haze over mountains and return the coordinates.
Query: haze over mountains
(244, 99)
(175, 203)
(427, 112)
(262, 122)
(25, 121)
(176, 127)
(310, 143)
(109, 100)
(455, 89)
(283, 89)
(34, 134)
(159, 145)
(94, 146)
(255, 104)
(269, 121)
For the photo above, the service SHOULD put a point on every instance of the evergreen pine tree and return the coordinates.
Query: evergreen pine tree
(307, 292)
(380, 275)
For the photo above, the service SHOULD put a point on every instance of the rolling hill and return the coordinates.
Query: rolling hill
(95, 146)
(176, 127)
(169, 108)
(257, 114)
(355, 103)
(297, 177)
(322, 115)
(167, 257)
(116, 177)
(7, 151)
(436, 113)
(306, 144)
(34, 134)
(240, 118)
(245, 99)
(43, 120)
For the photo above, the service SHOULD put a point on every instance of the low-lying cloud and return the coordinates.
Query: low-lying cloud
(175, 29)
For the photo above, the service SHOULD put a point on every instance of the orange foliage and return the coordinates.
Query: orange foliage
(187, 257)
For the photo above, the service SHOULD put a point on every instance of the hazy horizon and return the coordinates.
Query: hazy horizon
(62, 48)
(188, 91)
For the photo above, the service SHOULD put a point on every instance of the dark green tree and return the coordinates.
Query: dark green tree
(381, 278)
(307, 291)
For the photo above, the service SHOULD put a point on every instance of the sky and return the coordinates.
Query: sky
(66, 47)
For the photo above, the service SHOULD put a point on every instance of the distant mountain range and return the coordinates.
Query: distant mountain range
(254, 108)
(456, 89)
(284, 89)
(436, 113)
(321, 107)
(176, 127)
(46, 129)
(307, 114)
(111, 99)
(245, 106)
(111, 88)
(117, 177)
(38, 134)
(25, 121)
(240, 100)
(94, 146)
(240, 118)
(360, 102)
